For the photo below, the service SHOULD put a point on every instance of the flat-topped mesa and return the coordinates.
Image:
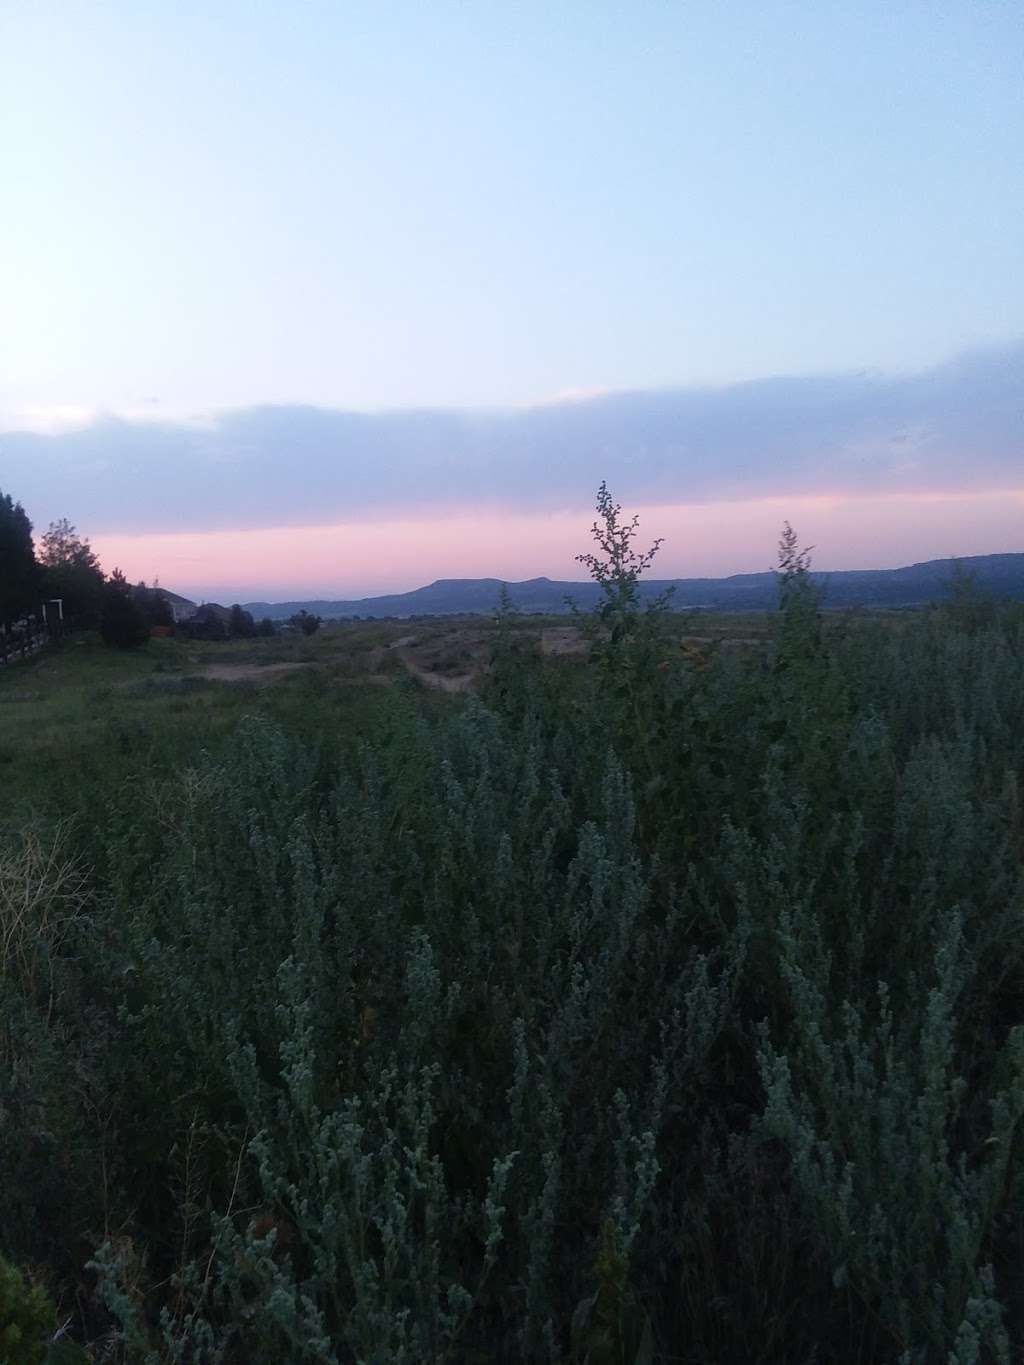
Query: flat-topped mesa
(1001, 575)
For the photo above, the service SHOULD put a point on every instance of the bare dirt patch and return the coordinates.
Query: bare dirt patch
(563, 641)
(441, 682)
(255, 673)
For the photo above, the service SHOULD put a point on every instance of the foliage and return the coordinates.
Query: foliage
(618, 568)
(305, 622)
(628, 641)
(71, 571)
(207, 623)
(20, 578)
(967, 604)
(27, 1318)
(664, 1007)
(266, 628)
(154, 605)
(123, 623)
(241, 626)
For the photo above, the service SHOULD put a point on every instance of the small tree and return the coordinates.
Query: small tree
(305, 621)
(266, 628)
(71, 570)
(241, 624)
(206, 623)
(122, 621)
(154, 605)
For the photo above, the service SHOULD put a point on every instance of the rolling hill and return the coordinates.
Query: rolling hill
(1001, 575)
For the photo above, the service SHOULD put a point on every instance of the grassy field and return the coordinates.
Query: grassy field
(82, 714)
(70, 712)
(482, 991)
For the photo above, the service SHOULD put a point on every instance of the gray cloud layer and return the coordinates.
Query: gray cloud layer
(959, 426)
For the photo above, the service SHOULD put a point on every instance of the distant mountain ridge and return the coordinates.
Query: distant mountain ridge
(915, 584)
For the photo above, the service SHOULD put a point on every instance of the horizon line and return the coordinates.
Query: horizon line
(202, 600)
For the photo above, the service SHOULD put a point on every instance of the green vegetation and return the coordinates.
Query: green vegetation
(658, 1006)
(71, 571)
(305, 621)
(62, 588)
(123, 622)
(20, 576)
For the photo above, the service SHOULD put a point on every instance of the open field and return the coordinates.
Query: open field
(482, 991)
(67, 710)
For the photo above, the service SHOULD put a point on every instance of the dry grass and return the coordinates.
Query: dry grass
(42, 891)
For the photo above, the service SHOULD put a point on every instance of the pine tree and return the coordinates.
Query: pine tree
(20, 579)
(122, 622)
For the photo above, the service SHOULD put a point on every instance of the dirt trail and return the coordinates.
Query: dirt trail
(246, 672)
(439, 681)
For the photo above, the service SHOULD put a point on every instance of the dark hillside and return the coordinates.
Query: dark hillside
(914, 585)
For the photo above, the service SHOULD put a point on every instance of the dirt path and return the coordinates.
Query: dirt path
(256, 673)
(462, 682)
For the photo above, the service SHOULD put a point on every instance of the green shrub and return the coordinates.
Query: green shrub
(123, 622)
(661, 1009)
(27, 1318)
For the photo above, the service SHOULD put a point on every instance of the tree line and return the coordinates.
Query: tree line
(61, 579)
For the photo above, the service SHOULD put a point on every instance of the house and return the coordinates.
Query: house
(211, 621)
(181, 608)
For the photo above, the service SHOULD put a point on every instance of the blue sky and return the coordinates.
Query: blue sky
(380, 204)
(387, 206)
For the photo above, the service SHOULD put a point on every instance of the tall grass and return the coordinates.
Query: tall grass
(666, 1009)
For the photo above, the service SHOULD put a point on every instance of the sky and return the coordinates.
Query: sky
(337, 298)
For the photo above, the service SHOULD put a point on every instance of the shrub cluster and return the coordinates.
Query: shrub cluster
(662, 1009)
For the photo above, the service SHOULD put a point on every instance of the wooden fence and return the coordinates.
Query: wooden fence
(21, 639)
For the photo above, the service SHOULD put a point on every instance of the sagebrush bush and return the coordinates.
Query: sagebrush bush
(27, 1318)
(667, 1009)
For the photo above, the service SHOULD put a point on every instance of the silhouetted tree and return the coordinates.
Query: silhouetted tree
(122, 621)
(20, 577)
(305, 621)
(266, 627)
(71, 570)
(241, 625)
(208, 623)
(154, 605)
